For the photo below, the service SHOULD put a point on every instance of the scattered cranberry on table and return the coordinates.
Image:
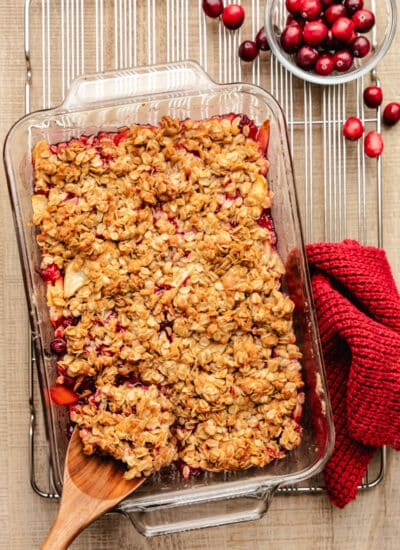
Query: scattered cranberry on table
(233, 16)
(353, 128)
(373, 96)
(248, 50)
(212, 8)
(391, 113)
(262, 41)
(373, 144)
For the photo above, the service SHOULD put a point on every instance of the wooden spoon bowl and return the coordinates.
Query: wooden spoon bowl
(92, 485)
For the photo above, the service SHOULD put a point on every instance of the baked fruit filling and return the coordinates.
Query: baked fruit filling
(173, 338)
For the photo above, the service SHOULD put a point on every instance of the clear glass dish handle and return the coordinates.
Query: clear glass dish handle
(144, 81)
(180, 518)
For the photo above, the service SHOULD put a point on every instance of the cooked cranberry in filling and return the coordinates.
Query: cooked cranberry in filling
(173, 339)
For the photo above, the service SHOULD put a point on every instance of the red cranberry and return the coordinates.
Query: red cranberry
(306, 58)
(334, 12)
(248, 128)
(363, 20)
(213, 8)
(68, 321)
(353, 128)
(292, 20)
(391, 114)
(315, 33)
(293, 6)
(360, 47)
(373, 96)
(353, 5)
(292, 39)
(233, 16)
(261, 40)
(248, 50)
(310, 9)
(324, 65)
(59, 346)
(373, 144)
(266, 222)
(326, 3)
(342, 28)
(330, 42)
(350, 39)
(51, 273)
(342, 60)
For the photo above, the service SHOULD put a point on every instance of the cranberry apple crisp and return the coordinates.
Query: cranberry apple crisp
(174, 340)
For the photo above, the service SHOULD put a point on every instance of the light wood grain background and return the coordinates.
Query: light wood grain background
(292, 523)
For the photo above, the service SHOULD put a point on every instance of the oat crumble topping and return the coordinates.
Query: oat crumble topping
(163, 284)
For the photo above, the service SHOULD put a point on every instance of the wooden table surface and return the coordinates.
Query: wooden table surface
(295, 522)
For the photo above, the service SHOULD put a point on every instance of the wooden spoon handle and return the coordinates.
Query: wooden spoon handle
(76, 512)
(61, 534)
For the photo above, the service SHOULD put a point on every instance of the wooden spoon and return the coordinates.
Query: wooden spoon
(92, 485)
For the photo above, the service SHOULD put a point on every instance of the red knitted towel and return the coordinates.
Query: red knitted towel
(358, 311)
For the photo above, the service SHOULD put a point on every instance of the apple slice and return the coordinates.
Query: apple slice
(263, 136)
(56, 315)
(258, 194)
(73, 280)
(39, 204)
(55, 293)
(55, 301)
(298, 411)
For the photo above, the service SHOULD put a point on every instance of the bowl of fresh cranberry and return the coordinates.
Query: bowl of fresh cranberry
(330, 41)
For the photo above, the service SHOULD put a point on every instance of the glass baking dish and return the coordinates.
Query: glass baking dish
(167, 503)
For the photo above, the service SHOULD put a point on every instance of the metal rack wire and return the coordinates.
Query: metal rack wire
(340, 192)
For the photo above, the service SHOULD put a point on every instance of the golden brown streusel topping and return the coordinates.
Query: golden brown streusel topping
(179, 340)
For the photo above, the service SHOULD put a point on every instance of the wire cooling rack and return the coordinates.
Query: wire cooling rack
(340, 192)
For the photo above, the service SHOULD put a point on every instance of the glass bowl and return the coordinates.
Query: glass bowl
(380, 36)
